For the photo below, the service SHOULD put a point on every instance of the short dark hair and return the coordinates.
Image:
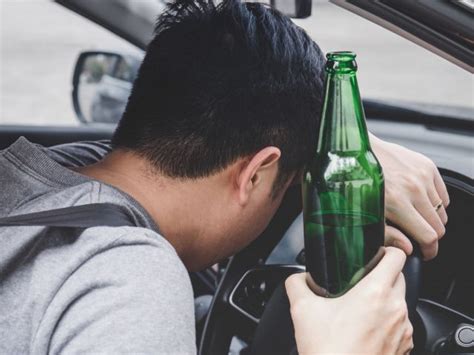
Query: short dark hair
(221, 82)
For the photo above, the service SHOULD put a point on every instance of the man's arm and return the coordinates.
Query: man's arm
(413, 190)
(134, 298)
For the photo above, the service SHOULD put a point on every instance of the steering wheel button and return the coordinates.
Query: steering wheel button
(464, 335)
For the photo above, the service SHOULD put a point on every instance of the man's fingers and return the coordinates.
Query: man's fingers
(440, 212)
(424, 205)
(395, 238)
(414, 225)
(443, 215)
(435, 199)
(405, 330)
(406, 342)
(441, 188)
(387, 270)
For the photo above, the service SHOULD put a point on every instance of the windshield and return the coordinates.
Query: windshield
(392, 68)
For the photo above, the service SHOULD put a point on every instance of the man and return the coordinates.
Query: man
(222, 118)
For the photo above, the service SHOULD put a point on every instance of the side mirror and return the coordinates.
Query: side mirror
(293, 8)
(102, 82)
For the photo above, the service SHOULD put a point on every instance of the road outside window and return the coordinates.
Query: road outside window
(391, 67)
(40, 42)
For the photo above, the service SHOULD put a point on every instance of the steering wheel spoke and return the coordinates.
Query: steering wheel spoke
(237, 312)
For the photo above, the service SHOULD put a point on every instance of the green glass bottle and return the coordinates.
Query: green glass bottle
(343, 188)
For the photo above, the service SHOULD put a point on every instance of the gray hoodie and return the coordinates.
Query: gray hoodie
(101, 289)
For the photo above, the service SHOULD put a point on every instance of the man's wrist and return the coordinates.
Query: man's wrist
(374, 141)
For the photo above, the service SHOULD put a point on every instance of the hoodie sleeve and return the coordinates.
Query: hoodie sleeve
(130, 298)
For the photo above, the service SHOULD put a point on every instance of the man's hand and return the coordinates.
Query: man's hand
(415, 198)
(371, 318)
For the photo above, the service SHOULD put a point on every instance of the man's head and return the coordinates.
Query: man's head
(233, 89)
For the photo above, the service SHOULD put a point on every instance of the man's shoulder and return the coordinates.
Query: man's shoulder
(131, 242)
(84, 259)
(126, 236)
(119, 280)
(131, 282)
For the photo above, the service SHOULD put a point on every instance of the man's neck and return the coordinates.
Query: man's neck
(175, 206)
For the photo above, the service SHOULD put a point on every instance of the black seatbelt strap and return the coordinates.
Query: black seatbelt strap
(83, 216)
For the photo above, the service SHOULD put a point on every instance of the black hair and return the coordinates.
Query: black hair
(220, 82)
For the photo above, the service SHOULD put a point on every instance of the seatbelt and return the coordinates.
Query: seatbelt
(83, 216)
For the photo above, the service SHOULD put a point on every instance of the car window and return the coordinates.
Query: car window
(390, 67)
(40, 42)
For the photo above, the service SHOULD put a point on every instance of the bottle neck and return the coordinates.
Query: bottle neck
(343, 127)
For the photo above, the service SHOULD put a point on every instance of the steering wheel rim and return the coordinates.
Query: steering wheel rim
(275, 323)
(434, 323)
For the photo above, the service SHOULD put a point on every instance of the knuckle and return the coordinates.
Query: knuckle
(397, 307)
(408, 338)
(443, 216)
(292, 281)
(448, 201)
(398, 311)
(430, 165)
(441, 231)
(430, 255)
(399, 315)
(426, 174)
(396, 253)
(431, 238)
(405, 180)
(433, 168)
(404, 311)
(288, 287)
(289, 282)
(409, 331)
(415, 187)
(402, 307)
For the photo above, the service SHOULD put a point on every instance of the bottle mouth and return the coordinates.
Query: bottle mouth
(341, 56)
(342, 62)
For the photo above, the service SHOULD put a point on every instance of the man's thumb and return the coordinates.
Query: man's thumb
(297, 288)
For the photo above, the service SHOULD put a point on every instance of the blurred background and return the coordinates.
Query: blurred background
(41, 40)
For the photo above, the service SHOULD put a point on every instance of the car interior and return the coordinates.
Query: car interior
(241, 306)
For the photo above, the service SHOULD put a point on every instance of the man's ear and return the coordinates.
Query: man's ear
(260, 168)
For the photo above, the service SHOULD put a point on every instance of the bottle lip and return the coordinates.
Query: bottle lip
(342, 62)
(341, 56)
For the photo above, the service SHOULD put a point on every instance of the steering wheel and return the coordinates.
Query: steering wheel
(274, 334)
(251, 303)
(257, 305)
